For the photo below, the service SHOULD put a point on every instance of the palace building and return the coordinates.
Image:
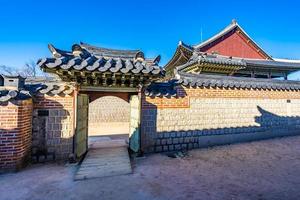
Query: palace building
(224, 90)
(230, 52)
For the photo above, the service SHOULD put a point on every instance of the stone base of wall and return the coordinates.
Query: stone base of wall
(192, 140)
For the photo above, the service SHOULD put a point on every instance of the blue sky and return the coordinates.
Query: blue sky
(152, 26)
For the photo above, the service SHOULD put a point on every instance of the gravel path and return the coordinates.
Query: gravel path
(259, 170)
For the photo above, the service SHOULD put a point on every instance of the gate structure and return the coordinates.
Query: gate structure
(81, 130)
(98, 71)
(135, 121)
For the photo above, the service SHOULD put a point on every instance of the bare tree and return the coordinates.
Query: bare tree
(30, 69)
(4, 69)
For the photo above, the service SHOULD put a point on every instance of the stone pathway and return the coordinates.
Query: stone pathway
(105, 158)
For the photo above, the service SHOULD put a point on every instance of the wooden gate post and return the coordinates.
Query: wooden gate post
(135, 123)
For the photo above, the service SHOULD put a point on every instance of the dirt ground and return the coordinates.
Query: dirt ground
(259, 170)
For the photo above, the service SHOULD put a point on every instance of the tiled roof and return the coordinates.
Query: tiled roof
(163, 89)
(273, 63)
(32, 88)
(105, 52)
(201, 57)
(11, 94)
(204, 80)
(82, 59)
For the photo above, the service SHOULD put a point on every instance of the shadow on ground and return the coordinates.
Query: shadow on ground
(267, 169)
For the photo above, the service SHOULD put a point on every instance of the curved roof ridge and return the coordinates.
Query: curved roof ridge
(227, 29)
(90, 47)
(188, 47)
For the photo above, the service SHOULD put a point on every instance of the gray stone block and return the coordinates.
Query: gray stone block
(158, 149)
(171, 147)
(177, 147)
(157, 142)
(53, 113)
(180, 140)
(150, 149)
(51, 119)
(186, 140)
(196, 145)
(175, 140)
(166, 135)
(165, 148)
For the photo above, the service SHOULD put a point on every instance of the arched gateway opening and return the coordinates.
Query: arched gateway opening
(108, 96)
(109, 116)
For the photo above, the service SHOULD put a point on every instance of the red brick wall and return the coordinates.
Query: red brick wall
(184, 94)
(181, 101)
(15, 134)
(234, 44)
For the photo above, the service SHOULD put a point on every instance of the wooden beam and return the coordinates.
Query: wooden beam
(113, 77)
(104, 80)
(107, 89)
(131, 81)
(123, 78)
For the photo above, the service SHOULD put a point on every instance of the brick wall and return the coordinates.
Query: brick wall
(15, 134)
(53, 125)
(209, 116)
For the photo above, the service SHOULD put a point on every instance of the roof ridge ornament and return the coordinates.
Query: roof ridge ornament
(139, 57)
(234, 21)
(156, 60)
(76, 50)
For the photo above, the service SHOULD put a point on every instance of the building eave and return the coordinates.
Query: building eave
(273, 64)
(286, 60)
(220, 63)
(204, 80)
(182, 52)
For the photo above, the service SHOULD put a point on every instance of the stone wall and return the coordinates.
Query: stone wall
(15, 134)
(209, 116)
(109, 115)
(53, 126)
(108, 109)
